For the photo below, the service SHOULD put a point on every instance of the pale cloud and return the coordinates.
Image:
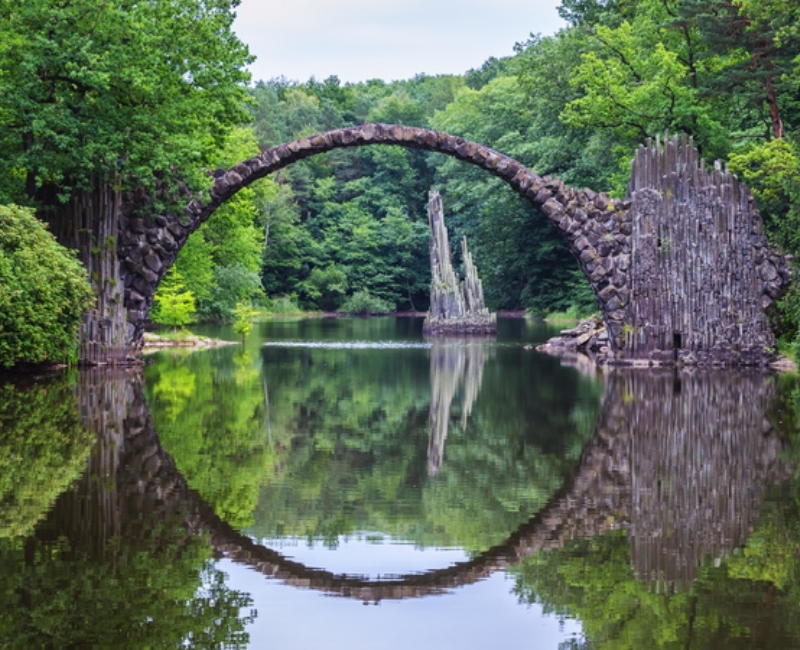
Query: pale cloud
(385, 39)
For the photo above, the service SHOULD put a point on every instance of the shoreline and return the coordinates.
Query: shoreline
(156, 342)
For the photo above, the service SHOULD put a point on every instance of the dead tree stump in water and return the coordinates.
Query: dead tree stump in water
(456, 307)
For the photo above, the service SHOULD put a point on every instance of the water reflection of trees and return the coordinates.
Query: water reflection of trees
(362, 430)
(112, 564)
(43, 448)
(674, 476)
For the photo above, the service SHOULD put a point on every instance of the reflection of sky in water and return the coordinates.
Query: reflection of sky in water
(367, 555)
(482, 615)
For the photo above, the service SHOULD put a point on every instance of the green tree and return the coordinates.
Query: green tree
(234, 284)
(98, 97)
(43, 292)
(175, 303)
(325, 288)
(243, 323)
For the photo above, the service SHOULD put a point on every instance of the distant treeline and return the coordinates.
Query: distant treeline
(574, 105)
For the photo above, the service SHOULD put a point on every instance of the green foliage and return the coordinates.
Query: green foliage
(360, 211)
(283, 305)
(175, 304)
(325, 288)
(772, 170)
(159, 593)
(243, 323)
(127, 90)
(43, 448)
(361, 302)
(43, 292)
(235, 284)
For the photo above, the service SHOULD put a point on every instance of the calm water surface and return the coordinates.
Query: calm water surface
(347, 484)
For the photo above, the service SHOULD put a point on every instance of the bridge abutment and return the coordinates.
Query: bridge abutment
(702, 272)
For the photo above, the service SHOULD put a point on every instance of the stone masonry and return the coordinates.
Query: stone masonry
(627, 249)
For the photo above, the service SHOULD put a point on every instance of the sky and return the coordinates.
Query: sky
(357, 40)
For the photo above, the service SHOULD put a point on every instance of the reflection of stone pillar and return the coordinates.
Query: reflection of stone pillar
(453, 362)
(88, 513)
(701, 457)
(456, 307)
(129, 488)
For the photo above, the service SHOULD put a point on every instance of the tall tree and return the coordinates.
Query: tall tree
(97, 97)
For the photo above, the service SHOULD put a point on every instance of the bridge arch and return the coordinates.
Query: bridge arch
(596, 228)
(681, 268)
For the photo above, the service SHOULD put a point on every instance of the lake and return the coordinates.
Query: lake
(345, 483)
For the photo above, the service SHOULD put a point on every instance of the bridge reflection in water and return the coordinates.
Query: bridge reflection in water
(680, 461)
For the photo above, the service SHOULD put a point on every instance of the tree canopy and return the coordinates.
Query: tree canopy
(114, 91)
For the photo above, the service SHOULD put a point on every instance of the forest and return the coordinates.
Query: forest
(347, 230)
(574, 105)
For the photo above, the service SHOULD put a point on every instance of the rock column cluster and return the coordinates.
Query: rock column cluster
(702, 271)
(456, 307)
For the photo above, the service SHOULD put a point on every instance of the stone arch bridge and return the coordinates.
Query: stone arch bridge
(680, 268)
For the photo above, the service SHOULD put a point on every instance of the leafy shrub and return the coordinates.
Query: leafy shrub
(43, 292)
(234, 284)
(284, 305)
(361, 302)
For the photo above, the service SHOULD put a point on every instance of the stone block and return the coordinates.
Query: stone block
(588, 253)
(542, 196)
(581, 243)
(153, 262)
(552, 208)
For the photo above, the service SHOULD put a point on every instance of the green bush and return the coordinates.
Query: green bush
(361, 302)
(234, 284)
(43, 292)
(284, 305)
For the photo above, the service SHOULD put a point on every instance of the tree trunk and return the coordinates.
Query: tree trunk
(89, 223)
(774, 110)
